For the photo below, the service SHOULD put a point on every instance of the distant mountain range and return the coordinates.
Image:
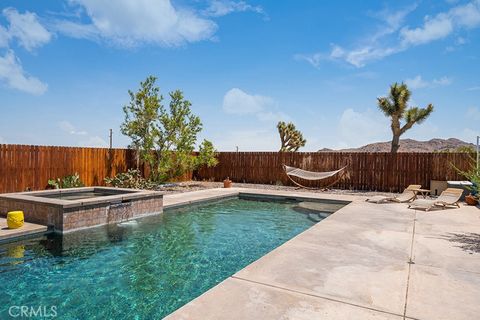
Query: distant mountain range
(410, 145)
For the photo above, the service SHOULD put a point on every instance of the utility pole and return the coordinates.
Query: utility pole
(478, 157)
(110, 153)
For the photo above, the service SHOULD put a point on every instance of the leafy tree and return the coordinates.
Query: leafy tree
(396, 107)
(165, 139)
(207, 154)
(290, 138)
(141, 115)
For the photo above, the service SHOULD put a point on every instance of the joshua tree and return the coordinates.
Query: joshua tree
(396, 107)
(291, 138)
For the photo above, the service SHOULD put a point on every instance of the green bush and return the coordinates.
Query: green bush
(473, 175)
(131, 179)
(71, 181)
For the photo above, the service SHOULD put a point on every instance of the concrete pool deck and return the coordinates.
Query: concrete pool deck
(366, 261)
(27, 230)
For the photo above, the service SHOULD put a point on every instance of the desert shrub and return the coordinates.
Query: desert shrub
(70, 181)
(472, 174)
(132, 179)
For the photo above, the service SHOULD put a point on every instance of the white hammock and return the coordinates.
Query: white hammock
(309, 175)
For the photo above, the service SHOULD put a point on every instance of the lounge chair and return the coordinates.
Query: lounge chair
(407, 195)
(449, 197)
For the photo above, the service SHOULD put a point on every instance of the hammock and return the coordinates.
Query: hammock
(311, 175)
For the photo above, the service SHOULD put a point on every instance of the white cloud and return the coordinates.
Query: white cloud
(218, 8)
(94, 141)
(425, 131)
(359, 128)
(30, 34)
(443, 81)
(237, 101)
(77, 30)
(418, 82)
(469, 135)
(86, 140)
(259, 112)
(12, 73)
(475, 88)
(314, 59)
(378, 45)
(129, 24)
(249, 140)
(70, 128)
(26, 28)
(2, 140)
(473, 113)
(467, 15)
(433, 29)
(360, 57)
(357, 57)
(4, 37)
(273, 116)
(443, 24)
(391, 22)
(460, 41)
(370, 50)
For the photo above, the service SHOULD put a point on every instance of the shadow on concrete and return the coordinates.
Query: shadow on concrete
(469, 242)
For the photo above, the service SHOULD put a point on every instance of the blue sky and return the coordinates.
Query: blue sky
(66, 67)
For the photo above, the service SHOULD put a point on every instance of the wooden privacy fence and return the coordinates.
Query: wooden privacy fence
(365, 171)
(25, 167)
(30, 167)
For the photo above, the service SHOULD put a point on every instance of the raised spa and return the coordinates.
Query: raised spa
(73, 209)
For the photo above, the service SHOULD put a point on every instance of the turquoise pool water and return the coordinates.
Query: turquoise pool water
(143, 269)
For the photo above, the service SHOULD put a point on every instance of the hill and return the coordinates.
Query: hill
(410, 145)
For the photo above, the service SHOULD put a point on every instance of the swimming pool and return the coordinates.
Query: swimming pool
(144, 269)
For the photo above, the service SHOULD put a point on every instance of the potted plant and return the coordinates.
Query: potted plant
(227, 183)
(471, 200)
(473, 175)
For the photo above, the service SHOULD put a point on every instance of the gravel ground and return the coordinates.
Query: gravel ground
(202, 185)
